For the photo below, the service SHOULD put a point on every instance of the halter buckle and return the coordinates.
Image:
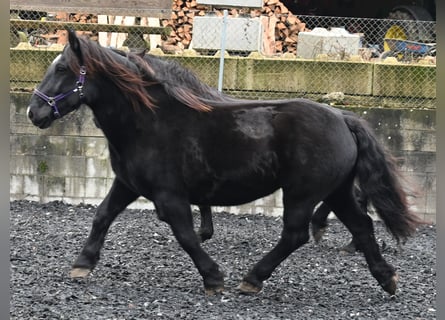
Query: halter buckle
(51, 101)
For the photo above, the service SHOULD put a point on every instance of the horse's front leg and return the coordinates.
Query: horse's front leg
(117, 199)
(206, 228)
(175, 210)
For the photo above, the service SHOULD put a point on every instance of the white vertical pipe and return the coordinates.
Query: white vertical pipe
(223, 49)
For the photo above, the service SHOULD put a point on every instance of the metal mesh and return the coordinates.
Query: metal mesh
(372, 69)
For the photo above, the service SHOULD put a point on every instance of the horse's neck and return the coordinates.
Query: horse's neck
(121, 124)
(116, 120)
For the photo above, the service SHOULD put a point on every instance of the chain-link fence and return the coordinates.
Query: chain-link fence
(365, 61)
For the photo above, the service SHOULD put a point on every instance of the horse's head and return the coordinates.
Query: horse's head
(61, 90)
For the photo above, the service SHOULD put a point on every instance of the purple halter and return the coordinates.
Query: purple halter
(52, 100)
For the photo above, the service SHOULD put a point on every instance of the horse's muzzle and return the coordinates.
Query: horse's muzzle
(42, 122)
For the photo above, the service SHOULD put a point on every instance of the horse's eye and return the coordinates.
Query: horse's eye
(60, 68)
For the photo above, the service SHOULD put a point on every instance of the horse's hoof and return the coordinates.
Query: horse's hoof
(79, 272)
(248, 288)
(391, 285)
(318, 234)
(348, 249)
(204, 237)
(214, 290)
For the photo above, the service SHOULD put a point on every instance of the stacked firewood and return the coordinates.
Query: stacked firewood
(281, 27)
(61, 36)
(77, 17)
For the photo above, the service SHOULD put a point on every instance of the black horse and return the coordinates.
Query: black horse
(319, 219)
(178, 142)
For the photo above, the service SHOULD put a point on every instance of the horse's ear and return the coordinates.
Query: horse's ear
(142, 53)
(74, 42)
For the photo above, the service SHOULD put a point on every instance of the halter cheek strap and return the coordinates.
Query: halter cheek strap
(52, 101)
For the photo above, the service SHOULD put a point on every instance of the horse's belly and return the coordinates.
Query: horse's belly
(232, 193)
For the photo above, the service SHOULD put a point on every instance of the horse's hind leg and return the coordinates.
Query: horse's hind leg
(206, 228)
(296, 218)
(347, 209)
(319, 225)
(319, 221)
(353, 245)
(118, 198)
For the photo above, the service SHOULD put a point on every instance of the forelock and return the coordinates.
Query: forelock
(56, 59)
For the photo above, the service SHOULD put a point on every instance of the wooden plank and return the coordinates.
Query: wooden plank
(104, 37)
(154, 39)
(152, 8)
(114, 20)
(34, 24)
(268, 45)
(120, 37)
(233, 3)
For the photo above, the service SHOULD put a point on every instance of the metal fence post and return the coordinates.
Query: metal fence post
(223, 49)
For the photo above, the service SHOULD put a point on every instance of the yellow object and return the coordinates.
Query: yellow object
(394, 32)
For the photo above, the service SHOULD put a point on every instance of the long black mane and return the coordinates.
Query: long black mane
(134, 75)
(174, 76)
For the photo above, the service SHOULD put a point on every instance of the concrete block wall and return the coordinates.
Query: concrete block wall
(69, 161)
(369, 84)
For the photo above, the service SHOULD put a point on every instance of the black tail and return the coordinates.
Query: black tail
(379, 181)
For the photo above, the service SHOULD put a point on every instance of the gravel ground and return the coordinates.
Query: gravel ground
(144, 274)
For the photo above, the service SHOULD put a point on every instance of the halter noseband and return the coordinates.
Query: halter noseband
(52, 100)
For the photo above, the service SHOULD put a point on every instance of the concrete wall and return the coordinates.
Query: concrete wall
(69, 161)
(365, 83)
